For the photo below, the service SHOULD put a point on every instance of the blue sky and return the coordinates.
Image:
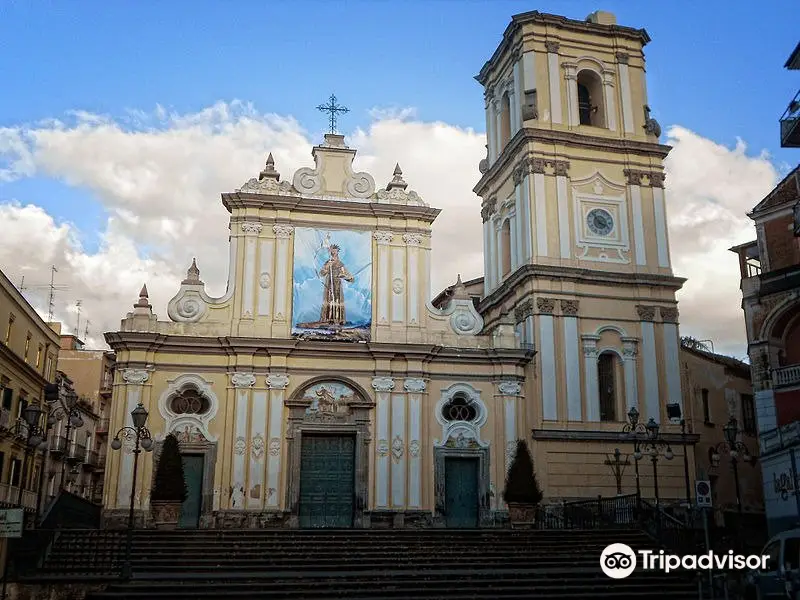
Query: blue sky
(715, 68)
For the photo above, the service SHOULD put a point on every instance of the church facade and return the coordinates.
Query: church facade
(325, 389)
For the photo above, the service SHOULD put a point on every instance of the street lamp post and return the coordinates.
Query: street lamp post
(734, 448)
(66, 409)
(142, 439)
(33, 441)
(653, 446)
(634, 428)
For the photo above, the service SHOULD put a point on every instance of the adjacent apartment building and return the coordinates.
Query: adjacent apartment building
(28, 355)
(770, 283)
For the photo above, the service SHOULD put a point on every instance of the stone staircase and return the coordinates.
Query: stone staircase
(360, 564)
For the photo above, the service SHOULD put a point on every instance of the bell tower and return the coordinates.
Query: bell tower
(574, 229)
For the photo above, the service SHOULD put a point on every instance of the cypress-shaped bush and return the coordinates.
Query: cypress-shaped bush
(521, 485)
(169, 484)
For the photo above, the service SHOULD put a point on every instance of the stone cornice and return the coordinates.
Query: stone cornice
(575, 275)
(566, 138)
(557, 22)
(229, 346)
(241, 200)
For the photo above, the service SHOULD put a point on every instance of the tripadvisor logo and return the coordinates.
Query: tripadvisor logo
(618, 561)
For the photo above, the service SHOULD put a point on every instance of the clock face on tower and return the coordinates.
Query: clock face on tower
(600, 221)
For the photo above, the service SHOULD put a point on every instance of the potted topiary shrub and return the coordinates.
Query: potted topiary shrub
(522, 493)
(169, 487)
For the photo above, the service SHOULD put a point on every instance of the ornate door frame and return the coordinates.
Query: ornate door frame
(356, 422)
(464, 449)
(198, 446)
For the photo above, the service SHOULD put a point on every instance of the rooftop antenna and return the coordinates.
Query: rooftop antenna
(78, 326)
(51, 302)
(86, 331)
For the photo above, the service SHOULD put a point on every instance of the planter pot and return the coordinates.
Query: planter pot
(166, 514)
(522, 516)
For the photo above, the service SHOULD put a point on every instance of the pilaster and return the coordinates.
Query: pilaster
(277, 384)
(383, 387)
(282, 233)
(592, 393)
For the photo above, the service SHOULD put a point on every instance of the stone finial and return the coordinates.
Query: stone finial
(269, 171)
(142, 306)
(143, 299)
(397, 181)
(192, 274)
(460, 290)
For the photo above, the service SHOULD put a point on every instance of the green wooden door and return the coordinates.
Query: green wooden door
(461, 492)
(193, 474)
(327, 479)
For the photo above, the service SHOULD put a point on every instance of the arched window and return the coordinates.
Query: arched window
(459, 408)
(792, 343)
(607, 380)
(189, 402)
(591, 109)
(505, 246)
(505, 121)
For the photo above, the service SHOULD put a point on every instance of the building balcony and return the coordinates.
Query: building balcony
(780, 438)
(786, 376)
(6, 422)
(790, 124)
(58, 444)
(102, 426)
(780, 280)
(90, 459)
(77, 453)
(9, 496)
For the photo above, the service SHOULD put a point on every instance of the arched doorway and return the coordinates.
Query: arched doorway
(328, 453)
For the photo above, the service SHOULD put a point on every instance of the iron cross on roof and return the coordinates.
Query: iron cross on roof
(334, 109)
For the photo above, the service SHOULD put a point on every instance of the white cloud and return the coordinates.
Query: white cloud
(158, 176)
(710, 190)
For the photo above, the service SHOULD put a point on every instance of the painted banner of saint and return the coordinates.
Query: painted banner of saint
(332, 287)
(332, 273)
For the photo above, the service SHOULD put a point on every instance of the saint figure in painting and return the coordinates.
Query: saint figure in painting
(332, 273)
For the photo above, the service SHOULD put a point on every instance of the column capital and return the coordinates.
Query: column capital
(646, 313)
(383, 237)
(669, 314)
(414, 385)
(629, 348)
(569, 308)
(135, 376)
(243, 380)
(277, 381)
(251, 227)
(509, 388)
(282, 230)
(590, 345)
(383, 384)
(523, 310)
(622, 58)
(412, 239)
(551, 46)
(546, 305)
